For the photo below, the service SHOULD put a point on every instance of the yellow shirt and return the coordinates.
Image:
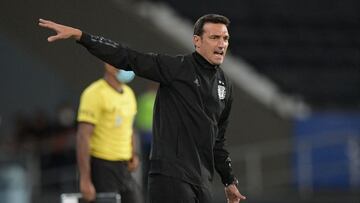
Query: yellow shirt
(112, 114)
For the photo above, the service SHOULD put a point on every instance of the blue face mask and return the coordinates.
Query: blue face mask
(125, 76)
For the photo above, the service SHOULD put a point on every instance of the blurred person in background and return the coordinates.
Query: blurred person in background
(144, 122)
(191, 114)
(105, 142)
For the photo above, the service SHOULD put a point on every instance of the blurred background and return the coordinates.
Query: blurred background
(294, 134)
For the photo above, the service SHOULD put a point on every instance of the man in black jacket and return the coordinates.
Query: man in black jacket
(191, 110)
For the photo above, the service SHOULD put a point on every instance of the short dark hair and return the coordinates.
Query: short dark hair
(209, 18)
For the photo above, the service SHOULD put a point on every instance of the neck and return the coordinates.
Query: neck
(202, 56)
(204, 60)
(113, 82)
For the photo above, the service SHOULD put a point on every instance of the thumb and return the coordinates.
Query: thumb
(241, 197)
(53, 38)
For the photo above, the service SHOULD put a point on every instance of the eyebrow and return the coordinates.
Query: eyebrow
(219, 36)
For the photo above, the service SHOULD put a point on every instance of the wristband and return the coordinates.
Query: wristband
(234, 182)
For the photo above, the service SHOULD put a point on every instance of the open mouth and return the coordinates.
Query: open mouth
(219, 53)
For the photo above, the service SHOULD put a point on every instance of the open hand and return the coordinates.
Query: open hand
(62, 31)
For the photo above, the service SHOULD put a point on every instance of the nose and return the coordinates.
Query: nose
(222, 43)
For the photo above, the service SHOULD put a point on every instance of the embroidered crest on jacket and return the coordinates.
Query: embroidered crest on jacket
(221, 90)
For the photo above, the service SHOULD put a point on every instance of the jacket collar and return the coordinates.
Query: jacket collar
(203, 62)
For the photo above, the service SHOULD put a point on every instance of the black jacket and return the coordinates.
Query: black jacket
(191, 110)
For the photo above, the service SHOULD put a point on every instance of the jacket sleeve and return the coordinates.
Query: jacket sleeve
(159, 68)
(221, 155)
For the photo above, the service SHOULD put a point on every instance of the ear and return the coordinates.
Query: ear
(196, 41)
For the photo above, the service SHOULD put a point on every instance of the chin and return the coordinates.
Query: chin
(217, 62)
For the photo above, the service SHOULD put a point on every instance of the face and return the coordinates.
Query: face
(111, 70)
(120, 76)
(213, 43)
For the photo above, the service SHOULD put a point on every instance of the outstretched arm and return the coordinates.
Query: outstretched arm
(62, 31)
(156, 67)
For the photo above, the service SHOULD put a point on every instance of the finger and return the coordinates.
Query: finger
(45, 21)
(90, 196)
(242, 196)
(237, 199)
(93, 196)
(46, 25)
(53, 38)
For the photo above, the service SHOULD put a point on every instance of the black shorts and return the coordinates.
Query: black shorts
(164, 189)
(114, 176)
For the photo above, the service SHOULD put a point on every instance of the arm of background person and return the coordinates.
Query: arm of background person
(134, 161)
(83, 135)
